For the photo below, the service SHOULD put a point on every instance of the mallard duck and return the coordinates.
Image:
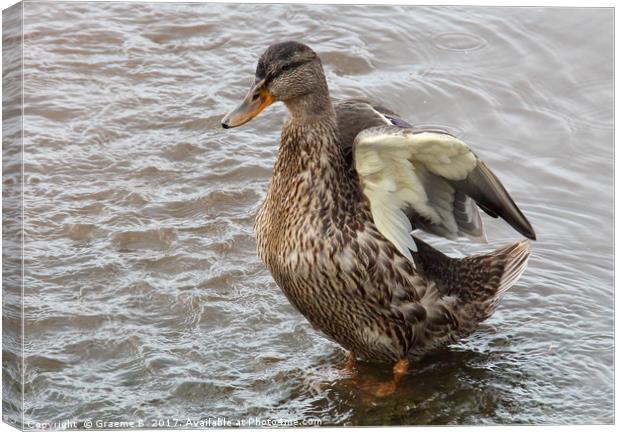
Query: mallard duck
(352, 180)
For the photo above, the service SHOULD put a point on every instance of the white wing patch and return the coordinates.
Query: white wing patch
(385, 194)
(441, 154)
(386, 159)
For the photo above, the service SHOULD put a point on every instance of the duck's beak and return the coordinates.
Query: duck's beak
(257, 99)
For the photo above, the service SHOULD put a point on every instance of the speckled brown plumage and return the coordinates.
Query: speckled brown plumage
(316, 235)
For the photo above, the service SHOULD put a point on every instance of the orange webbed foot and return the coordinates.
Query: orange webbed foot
(351, 364)
(389, 387)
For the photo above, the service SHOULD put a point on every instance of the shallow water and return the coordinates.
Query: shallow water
(144, 296)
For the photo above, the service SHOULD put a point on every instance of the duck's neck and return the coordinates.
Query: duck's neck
(311, 170)
(313, 105)
(309, 145)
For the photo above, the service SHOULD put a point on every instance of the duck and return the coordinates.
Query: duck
(351, 185)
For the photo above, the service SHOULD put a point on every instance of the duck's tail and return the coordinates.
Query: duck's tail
(477, 281)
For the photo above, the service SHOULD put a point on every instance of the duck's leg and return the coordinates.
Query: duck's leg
(349, 371)
(399, 371)
(351, 363)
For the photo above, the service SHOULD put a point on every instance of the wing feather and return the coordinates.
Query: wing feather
(486, 189)
(428, 180)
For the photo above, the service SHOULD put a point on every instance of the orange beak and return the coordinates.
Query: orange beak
(257, 99)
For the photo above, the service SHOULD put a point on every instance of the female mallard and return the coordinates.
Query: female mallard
(350, 183)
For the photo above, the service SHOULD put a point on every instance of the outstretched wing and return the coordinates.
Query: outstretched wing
(428, 180)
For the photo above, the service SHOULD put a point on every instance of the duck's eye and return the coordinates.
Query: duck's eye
(287, 67)
(255, 96)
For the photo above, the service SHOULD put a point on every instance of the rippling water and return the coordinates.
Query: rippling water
(144, 295)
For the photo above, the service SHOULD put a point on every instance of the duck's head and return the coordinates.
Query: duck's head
(285, 72)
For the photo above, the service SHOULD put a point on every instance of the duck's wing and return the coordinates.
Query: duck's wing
(355, 115)
(428, 180)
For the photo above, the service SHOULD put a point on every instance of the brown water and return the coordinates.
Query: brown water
(144, 296)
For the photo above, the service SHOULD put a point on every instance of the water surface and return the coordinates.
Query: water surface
(145, 299)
